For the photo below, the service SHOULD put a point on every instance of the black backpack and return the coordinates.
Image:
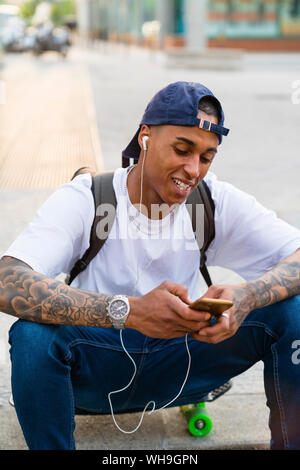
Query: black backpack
(103, 192)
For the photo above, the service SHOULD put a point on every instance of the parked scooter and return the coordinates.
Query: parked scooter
(48, 38)
(12, 35)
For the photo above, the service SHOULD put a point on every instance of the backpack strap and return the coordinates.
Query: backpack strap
(202, 195)
(102, 190)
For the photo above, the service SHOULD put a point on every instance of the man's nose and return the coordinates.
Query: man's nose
(192, 166)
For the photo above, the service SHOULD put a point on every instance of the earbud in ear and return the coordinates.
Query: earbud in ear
(144, 140)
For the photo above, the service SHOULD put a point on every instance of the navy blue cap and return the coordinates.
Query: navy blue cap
(177, 104)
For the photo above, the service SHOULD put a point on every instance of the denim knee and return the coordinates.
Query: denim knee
(283, 318)
(30, 342)
(289, 312)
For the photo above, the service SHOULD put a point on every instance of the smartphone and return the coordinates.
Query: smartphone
(214, 306)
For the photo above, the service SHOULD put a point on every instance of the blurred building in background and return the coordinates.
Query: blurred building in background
(255, 25)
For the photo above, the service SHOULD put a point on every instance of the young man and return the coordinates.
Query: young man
(66, 349)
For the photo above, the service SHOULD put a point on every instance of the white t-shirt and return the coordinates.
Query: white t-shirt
(141, 253)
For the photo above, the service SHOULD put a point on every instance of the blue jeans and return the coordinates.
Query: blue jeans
(58, 368)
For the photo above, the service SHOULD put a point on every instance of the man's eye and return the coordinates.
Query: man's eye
(180, 152)
(205, 160)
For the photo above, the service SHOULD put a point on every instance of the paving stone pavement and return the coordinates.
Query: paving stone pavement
(48, 127)
(259, 157)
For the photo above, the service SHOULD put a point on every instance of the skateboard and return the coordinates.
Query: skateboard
(199, 422)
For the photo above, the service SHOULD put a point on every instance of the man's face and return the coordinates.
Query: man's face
(178, 158)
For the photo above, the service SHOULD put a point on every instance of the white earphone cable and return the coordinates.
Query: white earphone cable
(132, 360)
(152, 401)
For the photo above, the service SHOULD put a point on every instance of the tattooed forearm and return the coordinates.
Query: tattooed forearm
(29, 295)
(279, 283)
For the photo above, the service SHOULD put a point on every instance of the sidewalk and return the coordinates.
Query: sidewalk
(64, 101)
(48, 126)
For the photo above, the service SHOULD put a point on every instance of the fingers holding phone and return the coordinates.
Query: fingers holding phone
(216, 307)
(220, 309)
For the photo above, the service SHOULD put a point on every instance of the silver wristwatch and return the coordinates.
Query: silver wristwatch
(118, 310)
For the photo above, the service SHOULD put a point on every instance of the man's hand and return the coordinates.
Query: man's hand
(164, 313)
(281, 282)
(226, 327)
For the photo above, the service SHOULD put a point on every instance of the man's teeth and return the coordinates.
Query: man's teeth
(180, 184)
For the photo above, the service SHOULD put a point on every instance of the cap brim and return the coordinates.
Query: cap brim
(133, 149)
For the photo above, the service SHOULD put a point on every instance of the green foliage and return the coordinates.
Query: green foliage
(27, 8)
(149, 9)
(60, 10)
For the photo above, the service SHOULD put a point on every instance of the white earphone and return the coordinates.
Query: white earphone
(152, 403)
(144, 140)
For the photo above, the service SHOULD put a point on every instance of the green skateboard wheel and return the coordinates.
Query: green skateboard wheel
(199, 422)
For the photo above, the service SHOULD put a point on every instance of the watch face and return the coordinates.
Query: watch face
(118, 309)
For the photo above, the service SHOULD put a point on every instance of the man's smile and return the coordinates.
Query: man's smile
(183, 186)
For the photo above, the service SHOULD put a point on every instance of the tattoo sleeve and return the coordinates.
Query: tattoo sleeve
(279, 283)
(29, 295)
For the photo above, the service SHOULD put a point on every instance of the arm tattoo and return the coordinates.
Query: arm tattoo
(279, 283)
(29, 295)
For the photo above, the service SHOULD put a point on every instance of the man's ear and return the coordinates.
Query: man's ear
(144, 132)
